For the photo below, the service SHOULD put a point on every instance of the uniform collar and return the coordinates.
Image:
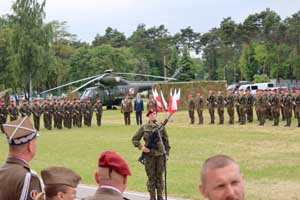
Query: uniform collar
(110, 188)
(16, 160)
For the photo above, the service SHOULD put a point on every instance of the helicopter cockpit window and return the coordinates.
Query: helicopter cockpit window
(89, 93)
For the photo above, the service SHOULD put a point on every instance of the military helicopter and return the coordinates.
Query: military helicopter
(111, 87)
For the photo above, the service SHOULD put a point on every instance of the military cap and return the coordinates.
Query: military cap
(112, 160)
(20, 131)
(150, 111)
(60, 176)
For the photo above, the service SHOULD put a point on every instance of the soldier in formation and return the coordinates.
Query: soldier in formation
(288, 108)
(36, 111)
(297, 105)
(199, 106)
(274, 103)
(13, 111)
(249, 106)
(229, 102)
(191, 109)
(211, 103)
(98, 109)
(24, 109)
(220, 106)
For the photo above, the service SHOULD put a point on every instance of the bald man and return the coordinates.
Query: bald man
(221, 179)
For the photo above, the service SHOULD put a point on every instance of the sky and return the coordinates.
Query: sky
(87, 18)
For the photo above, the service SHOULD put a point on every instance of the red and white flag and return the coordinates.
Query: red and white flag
(158, 100)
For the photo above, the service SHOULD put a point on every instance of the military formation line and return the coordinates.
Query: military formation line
(268, 104)
(65, 114)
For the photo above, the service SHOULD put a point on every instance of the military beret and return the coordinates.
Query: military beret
(112, 160)
(20, 131)
(150, 111)
(60, 176)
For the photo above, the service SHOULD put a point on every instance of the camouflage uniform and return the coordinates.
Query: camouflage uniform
(98, 109)
(249, 107)
(211, 101)
(281, 97)
(297, 108)
(237, 107)
(260, 105)
(24, 110)
(68, 115)
(36, 111)
(288, 109)
(191, 109)
(126, 109)
(59, 110)
(154, 160)
(199, 107)
(13, 112)
(274, 102)
(220, 108)
(88, 114)
(47, 110)
(242, 101)
(229, 99)
(78, 112)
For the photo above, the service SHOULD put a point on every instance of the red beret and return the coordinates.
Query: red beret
(150, 111)
(114, 161)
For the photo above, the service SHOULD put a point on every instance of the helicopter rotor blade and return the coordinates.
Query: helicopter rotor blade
(147, 75)
(95, 79)
(70, 83)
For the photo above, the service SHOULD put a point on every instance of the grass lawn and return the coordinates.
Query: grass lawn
(269, 156)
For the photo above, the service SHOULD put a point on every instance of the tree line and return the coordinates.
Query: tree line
(38, 55)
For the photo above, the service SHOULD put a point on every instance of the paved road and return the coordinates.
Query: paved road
(86, 190)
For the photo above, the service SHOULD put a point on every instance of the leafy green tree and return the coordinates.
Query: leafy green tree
(112, 37)
(6, 75)
(187, 73)
(260, 78)
(248, 63)
(31, 41)
(173, 62)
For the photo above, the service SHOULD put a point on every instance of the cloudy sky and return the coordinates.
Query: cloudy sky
(86, 18)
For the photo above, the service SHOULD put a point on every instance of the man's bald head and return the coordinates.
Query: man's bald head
(215, 162)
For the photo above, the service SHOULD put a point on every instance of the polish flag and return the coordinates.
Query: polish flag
(158, 100)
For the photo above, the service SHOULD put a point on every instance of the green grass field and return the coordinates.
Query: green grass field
(269, 156)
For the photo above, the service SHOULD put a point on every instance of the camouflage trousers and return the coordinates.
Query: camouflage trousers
(275, 114)
(230, 111)
(154, 166)
(192, 116)
(200, 115)
(221, 115)
(211, 110)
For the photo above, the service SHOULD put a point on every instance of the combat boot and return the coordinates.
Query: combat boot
(160, 198)
(152, 195)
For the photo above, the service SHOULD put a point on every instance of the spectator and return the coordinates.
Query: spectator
(221, 179)
(111, 176)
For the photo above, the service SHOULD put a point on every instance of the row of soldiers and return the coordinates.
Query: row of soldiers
(64, 113)
(268, 105)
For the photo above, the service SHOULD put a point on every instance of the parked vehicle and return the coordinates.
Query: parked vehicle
(253, 87)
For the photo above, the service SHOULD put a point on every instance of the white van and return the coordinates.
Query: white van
(253, 87)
